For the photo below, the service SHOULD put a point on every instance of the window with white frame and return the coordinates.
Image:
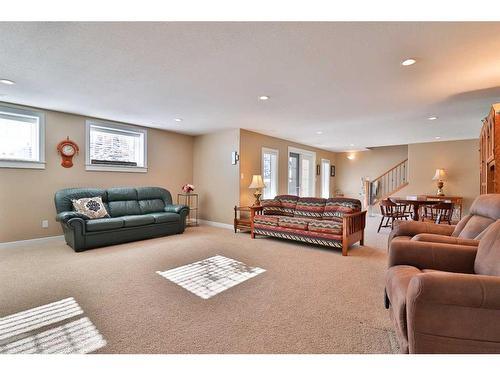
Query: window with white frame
(270, 172)
(115, 147)
(22, 134)
(325, 178)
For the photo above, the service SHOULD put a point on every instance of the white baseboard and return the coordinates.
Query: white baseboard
(216, 224)
(8, 244)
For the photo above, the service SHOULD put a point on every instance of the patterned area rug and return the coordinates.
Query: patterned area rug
(211, 276)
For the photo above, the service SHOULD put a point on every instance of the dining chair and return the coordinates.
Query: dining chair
(441, 212)
(392, 211)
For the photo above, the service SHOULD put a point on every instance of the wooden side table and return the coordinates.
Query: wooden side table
(254, 210)
(190, 200)
(245, 222)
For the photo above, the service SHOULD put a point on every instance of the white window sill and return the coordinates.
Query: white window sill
(113, 168)
(22, 164)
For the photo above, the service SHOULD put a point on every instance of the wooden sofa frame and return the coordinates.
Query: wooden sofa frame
(353, 228)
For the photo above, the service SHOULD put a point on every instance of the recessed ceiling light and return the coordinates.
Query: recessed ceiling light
(7, 81)
(319, 132)
(408, 62)
(352, 144)
(264, 97)
(178, 119)
(438, 137)
(432, 118)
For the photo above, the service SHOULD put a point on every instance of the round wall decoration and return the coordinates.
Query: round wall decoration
(67, 149)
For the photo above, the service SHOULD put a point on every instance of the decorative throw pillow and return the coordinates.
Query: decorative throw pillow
(93, 208)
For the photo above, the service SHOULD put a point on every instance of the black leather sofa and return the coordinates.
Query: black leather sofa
(135, 214)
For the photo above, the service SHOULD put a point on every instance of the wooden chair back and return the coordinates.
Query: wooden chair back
(441, 212)
(390, 209)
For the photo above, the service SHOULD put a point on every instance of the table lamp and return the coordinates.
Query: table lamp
(440, 176)
(257, 184)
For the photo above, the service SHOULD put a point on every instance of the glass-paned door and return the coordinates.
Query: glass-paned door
(325, 178)
(301, 172)
(270, 172)
(306, 175)
(294, 173)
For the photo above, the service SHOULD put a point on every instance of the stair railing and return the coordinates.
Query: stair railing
(388, 183)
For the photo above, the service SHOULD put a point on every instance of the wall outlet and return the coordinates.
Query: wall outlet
(45, 223)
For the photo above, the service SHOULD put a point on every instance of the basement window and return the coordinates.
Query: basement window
(22, 142)
(115, 147)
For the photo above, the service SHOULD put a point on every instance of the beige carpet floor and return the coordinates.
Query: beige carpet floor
(309, 300)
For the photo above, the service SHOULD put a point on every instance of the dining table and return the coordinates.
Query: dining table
(416, 203)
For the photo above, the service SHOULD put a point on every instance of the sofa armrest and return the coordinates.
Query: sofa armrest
(433, 255)
(355, 222)
(453, 313)
(177, 208)
(426, 237)
(64, 217)
(412, 228)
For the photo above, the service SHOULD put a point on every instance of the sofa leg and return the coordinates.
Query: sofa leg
(362, 240)
(345, 246)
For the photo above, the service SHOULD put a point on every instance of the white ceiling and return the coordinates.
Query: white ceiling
(344, 79)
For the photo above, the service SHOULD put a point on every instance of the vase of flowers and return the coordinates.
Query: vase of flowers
(188, 188)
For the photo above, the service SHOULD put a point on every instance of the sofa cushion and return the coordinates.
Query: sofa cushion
(317, 238)
(122, 194)
(93, 208)
(145, 193)
(325, 226)
(310, 207)
(104, 224)
(64, 198)
(294, 222)
(475, 226)
(266, 220)
(335, 208)
(165, 217)
(137, 220)
(271, 207)
(124, 208)
(488, 254)
(288, 204)
(151, 205)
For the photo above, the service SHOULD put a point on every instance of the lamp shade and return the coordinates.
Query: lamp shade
(257, 182)
(440, 175)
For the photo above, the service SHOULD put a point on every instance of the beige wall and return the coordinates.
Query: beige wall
(460, 159)
(27, 196)
(251, 150)
(371, 163)
(215, 178)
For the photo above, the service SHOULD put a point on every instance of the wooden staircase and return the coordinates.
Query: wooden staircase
(387, 183)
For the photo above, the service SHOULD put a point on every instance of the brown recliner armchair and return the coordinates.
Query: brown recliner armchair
(485, 210)
(445, 298)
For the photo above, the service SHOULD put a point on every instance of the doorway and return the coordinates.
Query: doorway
(301, 172)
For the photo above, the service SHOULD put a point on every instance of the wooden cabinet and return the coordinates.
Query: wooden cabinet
(489, 152)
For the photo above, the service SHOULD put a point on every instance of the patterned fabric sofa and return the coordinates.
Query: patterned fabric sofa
(333, 222)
